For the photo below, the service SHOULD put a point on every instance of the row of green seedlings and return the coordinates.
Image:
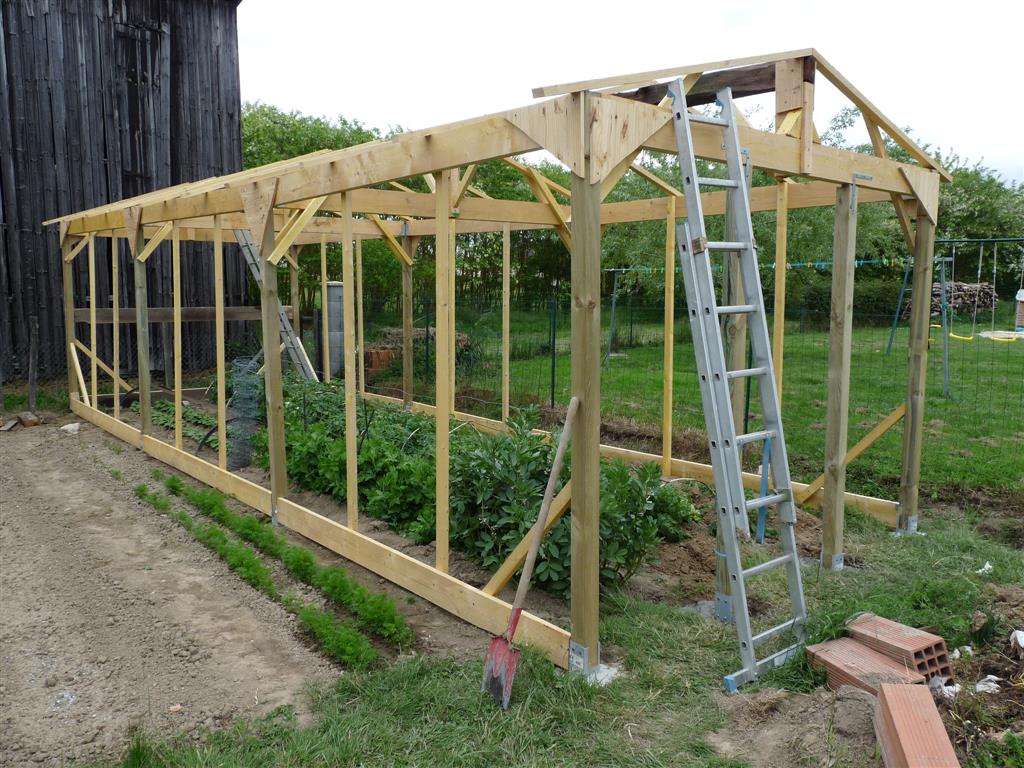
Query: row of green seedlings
(339, 639)
(195, 424)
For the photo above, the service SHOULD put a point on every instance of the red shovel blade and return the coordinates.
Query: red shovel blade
(500, 670)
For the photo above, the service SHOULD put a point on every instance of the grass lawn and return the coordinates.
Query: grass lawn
(974, 439)
(430, 712)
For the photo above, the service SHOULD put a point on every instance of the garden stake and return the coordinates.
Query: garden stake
(502, 657)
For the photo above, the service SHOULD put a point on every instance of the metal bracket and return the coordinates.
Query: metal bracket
(838, 562)
(579, 657)
(723, 608)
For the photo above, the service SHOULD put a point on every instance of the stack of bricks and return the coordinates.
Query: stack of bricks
(848, 662)
(914, 648)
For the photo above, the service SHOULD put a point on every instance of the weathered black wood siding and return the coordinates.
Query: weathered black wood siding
(102, 100)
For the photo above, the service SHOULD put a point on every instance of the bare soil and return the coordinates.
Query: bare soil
(779, 729)
(114, 617)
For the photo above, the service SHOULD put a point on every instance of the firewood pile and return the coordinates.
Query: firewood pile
(960, 297)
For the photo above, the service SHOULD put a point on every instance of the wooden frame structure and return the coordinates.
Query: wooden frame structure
(597, 129)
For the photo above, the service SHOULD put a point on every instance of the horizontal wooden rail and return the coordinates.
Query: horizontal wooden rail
(881, 509)
(458, 598)
(166, 314)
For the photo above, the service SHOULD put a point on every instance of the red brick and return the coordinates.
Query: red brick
(849, 662)
(909, 729)
(916, 648)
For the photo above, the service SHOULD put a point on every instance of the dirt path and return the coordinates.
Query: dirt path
(113, 617)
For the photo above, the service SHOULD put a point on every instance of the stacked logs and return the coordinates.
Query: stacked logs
(960, 298)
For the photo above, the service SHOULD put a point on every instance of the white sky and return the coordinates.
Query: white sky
(951, 71)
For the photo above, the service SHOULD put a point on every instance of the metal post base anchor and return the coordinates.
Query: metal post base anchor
(910, 529)
(273, 516)
(723, 608)
(838, 561)
(579, 661)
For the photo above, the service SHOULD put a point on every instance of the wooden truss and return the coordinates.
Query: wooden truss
(597, 129)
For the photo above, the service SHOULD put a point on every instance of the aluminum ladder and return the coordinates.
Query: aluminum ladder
(695, 254)
(289, 340)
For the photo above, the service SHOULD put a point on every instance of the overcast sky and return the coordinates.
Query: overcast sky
(950, 71)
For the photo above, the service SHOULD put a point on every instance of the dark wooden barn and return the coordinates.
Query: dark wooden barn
(102, 100)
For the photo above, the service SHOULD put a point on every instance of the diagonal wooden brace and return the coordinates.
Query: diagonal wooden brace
(391, 241)
(293, 229)
(154, 241)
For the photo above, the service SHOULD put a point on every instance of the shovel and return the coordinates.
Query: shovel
(502, 656)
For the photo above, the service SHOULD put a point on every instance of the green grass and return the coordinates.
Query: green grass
(973, 440)
(425, 711)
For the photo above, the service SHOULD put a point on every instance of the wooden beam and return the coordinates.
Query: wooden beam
(351, 386)
(115, 298)
(897, 200)
(862, 445)
(176, 302)
(458, 598)
(640, 78)
(779, 321)
(391, 241)
(82, 389)
(516, 558)
(407, 358)
(285, 240)
(118, 381)
(93, 372)
(506, 289)
(360, 339)
(259, 202)
(218, 301)
(72, 251)
(615, 175)
(464, 183)
(147, 250)
(442, 383)
(68, 300)
(137, 242)
(844, 255)
(881, 509)
(586, 387)
(917, 370)
(325, 326)
(668, 365)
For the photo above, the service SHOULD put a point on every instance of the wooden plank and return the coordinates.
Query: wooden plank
(779, 321)
(407, 359)
(844, 254)
(218, 300)
(516, 558)
(452, 348)
(667, 365)
(550, 124)
(862, 445)
(360, 339)
(286, 239)
(293, 296)
(442, 350)
(325, 326)
(121, 383)
(351, 423)
(93, 373)
(147, 250)
(506, 282)
(807, 129)
(259, 202)
(136, 242)
(586, 387)
(917, 370)
(881, 509)
(105, 315)
(115, 298)
(926, 189)
(176, 302)
(639, 78)
(83, 391)
(69, 311)
(456, 597)
(871, 112)
(897, 200)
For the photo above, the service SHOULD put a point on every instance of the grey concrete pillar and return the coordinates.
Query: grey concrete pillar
(336, 326)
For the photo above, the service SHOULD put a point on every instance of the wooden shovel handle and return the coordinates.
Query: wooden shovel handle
(549, 494)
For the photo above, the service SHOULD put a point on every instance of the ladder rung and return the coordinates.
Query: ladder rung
(711, 181)
(768, 634)
(766, 501)
(741, 372)
(725, 245)
(698, 118)
(753, 437)
(736, 309)
(767, 565)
